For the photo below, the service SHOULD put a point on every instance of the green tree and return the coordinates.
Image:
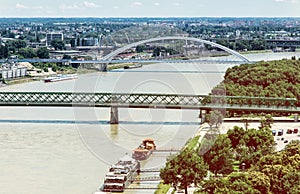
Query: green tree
(276, 173)
(220, 156)
(19, 44)
(66, 56)
(291, 182)
(259, 181)
(236, 135)
(27, 52)
(156, 52)
(58, 44)
(185, 168)
(266, 121)
(43, 53)
(140, 48)
(210, 186)
(4, 52)
(235, 182)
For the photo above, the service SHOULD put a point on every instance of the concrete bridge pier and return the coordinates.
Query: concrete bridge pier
(114, 116)
(103, 67)
(202, 116)
(296, 117)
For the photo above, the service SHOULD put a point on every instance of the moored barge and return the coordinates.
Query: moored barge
(60, 78)
(121, 175)
(144, 150)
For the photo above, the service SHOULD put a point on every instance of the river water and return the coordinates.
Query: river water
(68, 150)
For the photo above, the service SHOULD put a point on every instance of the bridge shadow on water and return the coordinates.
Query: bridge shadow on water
(100, 122)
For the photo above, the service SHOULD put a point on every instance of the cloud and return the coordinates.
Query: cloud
(176, 4)
(90, 4)
(116, 7)
(65, 7)
(21, 6)
(38, 7)
(156, 4)
(136, 4)
(288, 1)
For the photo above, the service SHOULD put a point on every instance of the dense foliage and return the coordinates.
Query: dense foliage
(272, 83)
(268, 79)
(264, 171)
(183, 169)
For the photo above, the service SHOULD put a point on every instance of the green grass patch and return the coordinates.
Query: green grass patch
(162, 188)
(236, 166)
(192, 143)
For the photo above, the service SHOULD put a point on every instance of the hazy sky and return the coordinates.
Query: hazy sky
(148, 8)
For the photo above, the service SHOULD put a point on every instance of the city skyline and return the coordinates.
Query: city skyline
(150, 8)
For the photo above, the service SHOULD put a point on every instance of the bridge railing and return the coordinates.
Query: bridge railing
(141, 100)
(250, 101)
(103, 99)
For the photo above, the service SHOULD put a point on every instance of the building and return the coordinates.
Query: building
(12, 71)
(87, 41)
(53, 36)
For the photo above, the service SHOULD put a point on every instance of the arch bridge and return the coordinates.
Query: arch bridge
(111, 55)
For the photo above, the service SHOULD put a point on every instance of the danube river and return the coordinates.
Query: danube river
(68, 150)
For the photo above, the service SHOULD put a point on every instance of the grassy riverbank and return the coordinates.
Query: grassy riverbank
(162, 188)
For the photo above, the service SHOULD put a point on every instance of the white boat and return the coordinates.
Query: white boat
(60, 77)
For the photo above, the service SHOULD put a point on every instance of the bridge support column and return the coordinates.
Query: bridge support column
(202, 115)
(296, 117)
(103, 67)
(114, 116)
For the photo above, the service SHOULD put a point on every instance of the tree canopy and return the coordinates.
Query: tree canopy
(183, 169)
(276, 172)
(278, 79)
(267, 79)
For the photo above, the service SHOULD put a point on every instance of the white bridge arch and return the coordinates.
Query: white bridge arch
(132, 45)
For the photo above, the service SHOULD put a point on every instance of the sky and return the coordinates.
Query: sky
(149, 8)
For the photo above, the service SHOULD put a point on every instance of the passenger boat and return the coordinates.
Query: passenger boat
(144, 150)
(60, 77)
(133, 66)
(121, 175)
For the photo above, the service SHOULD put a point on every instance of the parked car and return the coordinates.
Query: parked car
(285, 141)
(289, 131)
(295, 131)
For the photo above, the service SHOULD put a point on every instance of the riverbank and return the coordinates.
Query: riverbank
(28, 79)
(193, 143)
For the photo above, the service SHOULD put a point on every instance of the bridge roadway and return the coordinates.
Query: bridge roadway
(124, 61)
(159, 101)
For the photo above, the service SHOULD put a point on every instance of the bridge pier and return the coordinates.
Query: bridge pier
(103, 67)
(114, 116)
(202, 116)
(296, 117)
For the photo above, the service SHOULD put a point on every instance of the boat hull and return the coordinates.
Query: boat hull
(60, 78)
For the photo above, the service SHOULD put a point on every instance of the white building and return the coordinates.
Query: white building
(11, 71)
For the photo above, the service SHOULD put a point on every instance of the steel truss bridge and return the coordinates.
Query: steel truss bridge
(159, 101)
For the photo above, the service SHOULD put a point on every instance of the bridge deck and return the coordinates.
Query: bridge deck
(159, 101)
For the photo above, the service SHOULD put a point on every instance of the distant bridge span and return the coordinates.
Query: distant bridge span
(120, 50)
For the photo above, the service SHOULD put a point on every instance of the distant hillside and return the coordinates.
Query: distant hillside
(268, 79)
